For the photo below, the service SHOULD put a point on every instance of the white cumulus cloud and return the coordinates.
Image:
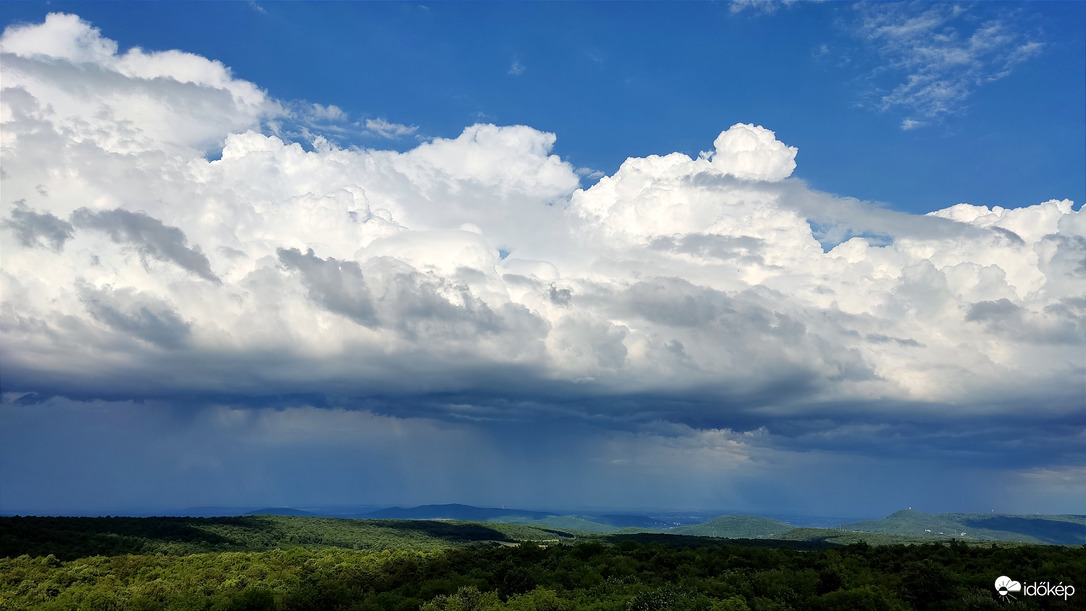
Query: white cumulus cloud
(479, 263)
(76, 80)
(753, 153)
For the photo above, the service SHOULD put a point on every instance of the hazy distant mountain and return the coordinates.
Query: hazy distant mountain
(212, 511)
(590, 522)
(452, 512)
(281, 511)
(629, 521)
(1058, 530)
(735, 527)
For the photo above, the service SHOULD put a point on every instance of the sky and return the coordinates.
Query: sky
(816, 258)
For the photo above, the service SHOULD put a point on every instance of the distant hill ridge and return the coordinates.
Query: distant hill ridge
(281, 511)
(601, 523)
(1053, 529)
(453, 511)
(905, 526)
(736, 527)
(77, 537)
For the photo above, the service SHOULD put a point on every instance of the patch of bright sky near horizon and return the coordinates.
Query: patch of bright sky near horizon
(601, 254)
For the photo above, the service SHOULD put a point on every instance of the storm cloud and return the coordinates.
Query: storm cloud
(374, 312)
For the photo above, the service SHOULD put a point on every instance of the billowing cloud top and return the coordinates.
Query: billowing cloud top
(753, 153)
(134, 266)
(131, 102)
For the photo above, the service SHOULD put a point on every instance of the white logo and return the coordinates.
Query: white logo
(1005, 585)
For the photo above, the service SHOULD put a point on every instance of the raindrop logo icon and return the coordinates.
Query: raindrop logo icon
(1005, 585)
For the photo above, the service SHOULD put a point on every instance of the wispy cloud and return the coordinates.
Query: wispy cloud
(517, 68)
(314, 123)
(387, 129)
(936, 56)
(909, 124)
(330, 112)
(763, 7)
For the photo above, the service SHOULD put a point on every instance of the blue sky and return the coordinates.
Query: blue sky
(615, 255)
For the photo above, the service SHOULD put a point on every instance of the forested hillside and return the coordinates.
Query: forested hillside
(626, 576)
(315, 564)
(736, 527)
(1058, 530)
(69, 538)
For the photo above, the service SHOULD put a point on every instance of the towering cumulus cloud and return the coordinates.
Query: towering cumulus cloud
(753, 153)
(706, 307)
